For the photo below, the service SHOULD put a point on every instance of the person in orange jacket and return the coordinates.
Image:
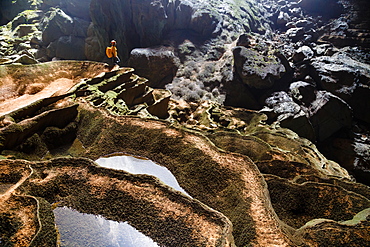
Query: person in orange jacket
(111, 52)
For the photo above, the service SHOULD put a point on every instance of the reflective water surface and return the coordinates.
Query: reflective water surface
(77, 229)
(141, 166)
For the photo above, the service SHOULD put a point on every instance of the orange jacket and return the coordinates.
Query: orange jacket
(111, 51)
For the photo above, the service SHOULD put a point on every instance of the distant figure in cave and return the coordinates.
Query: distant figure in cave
(111, 52)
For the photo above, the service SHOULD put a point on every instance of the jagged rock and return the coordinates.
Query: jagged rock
(322, 49)
(289, 115)
(302, 53)
(244, 40)
(304, 23)
(303, 92)
(256, 70)
(160, 106)
(282, 103)
(295, 33)
(328, 114)
(346, 78)
(80, 27)
(158, 64)
(311, 119)
(55, 24)
(123, 93)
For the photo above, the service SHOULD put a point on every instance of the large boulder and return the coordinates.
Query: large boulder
(158, 64)
(56, 24)
(328, 114)
(302, 92)
(346, 78)
(289, 114)
(255, 69)
(352, 151)
(64, 36)
(317, 115)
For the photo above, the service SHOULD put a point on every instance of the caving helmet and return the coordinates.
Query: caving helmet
(113, 42)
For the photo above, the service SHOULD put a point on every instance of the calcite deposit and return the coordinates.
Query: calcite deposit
(251, 183)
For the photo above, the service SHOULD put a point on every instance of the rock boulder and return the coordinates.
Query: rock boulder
(346, 78)
(56, 24)
(158, 64)
(328, 114)
(255, 69)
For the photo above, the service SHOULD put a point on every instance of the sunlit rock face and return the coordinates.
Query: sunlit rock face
(148, 23)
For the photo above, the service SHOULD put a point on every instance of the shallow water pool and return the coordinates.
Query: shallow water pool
(140, 166)
(77, 229)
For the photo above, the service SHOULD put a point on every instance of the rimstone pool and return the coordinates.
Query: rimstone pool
(141, 166)
(78, 229)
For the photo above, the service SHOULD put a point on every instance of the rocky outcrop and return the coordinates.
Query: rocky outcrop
(63, 35)
(123, 93)
(345, 77)
(159, 64)
(257, 71)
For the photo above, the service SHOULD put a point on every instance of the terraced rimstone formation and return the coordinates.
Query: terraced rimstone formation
(251, 183)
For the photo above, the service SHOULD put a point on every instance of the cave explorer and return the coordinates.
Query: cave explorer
(111, 52)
